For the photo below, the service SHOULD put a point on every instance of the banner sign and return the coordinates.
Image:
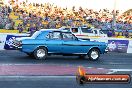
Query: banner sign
(118, 45)
(9, 42)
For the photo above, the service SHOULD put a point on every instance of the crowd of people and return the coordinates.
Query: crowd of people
(36, 16)
(5, 21)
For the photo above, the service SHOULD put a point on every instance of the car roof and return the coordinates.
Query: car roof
(55, 30)
(96, 29)
(48, 29)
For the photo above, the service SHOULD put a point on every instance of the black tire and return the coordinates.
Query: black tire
(96, 52)
(40, 53)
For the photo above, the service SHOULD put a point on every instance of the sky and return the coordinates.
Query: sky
(92, 4)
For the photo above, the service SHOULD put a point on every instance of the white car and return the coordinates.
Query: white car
(84, 32)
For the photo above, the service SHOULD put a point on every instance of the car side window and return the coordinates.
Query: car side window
(49, 36)
(68, 36)
(54, 35)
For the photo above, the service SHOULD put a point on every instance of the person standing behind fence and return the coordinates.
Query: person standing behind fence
(32, 29)
(110, 34)
(20, 28)
(126, 34)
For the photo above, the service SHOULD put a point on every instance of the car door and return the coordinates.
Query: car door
(54, 42)
(70, 44)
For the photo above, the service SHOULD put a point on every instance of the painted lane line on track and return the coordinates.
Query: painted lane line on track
(111, 72)
(118, 70)
(100, 68)
(97, 68)
(118, 63)
(121, 69)
(37, 77)
(33, 78)
(43, 64)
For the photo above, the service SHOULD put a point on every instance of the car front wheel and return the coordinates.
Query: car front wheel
(40, 53)
(94, 54)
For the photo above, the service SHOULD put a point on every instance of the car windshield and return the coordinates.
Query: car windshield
(36, 34)
(86, 30)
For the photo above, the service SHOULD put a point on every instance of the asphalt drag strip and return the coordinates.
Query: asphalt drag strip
(45, 70)
(51, 82)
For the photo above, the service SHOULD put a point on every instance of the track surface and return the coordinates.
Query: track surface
(14, 63)
(108, 61)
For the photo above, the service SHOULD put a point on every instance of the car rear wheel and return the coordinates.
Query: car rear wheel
(94, 54)
(40, 53)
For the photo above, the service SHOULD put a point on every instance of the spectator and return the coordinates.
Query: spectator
(20, 28)
(32, 29)
(110, 34)
(126, 34)
(51, 16)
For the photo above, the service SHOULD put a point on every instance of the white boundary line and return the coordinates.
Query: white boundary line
(33, 78)
(2, 78)
(37, 77)
(121, 69)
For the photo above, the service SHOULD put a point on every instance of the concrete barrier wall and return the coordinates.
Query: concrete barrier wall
(129, 50)
(2, 41)
(123, 45)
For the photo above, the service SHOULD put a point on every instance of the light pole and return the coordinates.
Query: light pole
(114, 16)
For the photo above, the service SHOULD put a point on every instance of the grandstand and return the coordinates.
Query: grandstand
(1, 2)
(24, 16)
(128, 11)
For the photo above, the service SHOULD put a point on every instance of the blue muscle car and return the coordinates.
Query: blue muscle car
(46, 42)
